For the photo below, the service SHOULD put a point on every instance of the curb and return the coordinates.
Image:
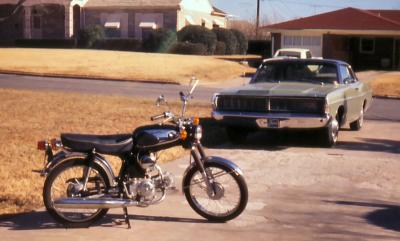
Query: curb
(389, 97)
(85, 77)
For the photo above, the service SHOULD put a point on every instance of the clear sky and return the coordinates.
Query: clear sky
(272, 11)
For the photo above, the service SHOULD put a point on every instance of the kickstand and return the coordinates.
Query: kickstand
(126, 217)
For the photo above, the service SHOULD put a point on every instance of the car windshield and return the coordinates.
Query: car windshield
(296, 71)
(289, 54)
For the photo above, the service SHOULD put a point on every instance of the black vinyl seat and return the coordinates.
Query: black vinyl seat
(105, 144)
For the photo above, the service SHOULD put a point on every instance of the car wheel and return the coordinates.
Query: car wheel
(236, 135)
(330, 133)
(357, 125)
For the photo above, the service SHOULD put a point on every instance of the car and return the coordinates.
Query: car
(293, 53)
(318, 94)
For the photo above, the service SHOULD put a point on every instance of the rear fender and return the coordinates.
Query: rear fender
(64, 156)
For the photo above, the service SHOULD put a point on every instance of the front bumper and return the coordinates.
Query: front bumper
(271, 120)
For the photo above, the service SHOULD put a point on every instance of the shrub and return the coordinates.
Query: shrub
(119, 44)
(241, 40)
(88, 37)
(198, 34)
(228, 37)
(160, 41)
(189, 48)
(220, 49)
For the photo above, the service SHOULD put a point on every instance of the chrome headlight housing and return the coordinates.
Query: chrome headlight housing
(198, 133)
(214, 101)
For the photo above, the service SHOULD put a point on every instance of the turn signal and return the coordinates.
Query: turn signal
(196, 121)
(42, 145)
(183, 134)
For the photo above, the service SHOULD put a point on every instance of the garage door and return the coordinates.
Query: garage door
(313, 43)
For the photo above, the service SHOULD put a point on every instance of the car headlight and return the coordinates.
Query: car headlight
(198, 133)
(215, 101)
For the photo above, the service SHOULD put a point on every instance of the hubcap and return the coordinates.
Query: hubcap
(334, 130)
(218, 191)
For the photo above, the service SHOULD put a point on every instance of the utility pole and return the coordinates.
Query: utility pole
(258, 18)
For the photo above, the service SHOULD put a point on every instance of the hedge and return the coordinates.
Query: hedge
(241, 40)
(228, 37)
(160, 41)
(198, 34)
(189, 48)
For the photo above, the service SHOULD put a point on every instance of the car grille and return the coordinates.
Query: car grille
(271, 104)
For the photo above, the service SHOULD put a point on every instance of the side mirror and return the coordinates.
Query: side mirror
(160, 100)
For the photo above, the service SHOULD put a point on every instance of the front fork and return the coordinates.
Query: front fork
(200, 157)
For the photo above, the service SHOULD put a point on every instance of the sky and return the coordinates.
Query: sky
(273, 11)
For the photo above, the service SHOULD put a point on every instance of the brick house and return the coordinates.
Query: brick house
(62, 19)
(368, 39)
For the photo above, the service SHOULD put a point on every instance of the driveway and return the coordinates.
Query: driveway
(297, 191)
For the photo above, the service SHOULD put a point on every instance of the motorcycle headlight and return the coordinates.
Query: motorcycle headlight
(198, 133)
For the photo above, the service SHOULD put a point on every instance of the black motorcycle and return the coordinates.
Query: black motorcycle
(81, 186)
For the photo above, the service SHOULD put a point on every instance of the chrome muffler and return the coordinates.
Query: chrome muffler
(93, 203)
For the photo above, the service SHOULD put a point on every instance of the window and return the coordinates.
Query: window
(346, 75)
(296, 40)
(367, 45)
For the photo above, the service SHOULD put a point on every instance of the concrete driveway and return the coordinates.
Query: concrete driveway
(297, 191)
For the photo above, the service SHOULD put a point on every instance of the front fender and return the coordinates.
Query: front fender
(217, 160)
(64, 156)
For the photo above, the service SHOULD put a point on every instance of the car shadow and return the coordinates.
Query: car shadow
(386, 216)
(370, 145)
(41, 220)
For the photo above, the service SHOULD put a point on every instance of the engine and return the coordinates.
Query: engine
(152, 188)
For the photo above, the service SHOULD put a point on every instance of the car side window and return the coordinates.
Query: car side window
(308, 55)
(346, 74)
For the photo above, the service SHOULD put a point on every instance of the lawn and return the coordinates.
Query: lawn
(119, 65)
(28, 116)
(386, 84)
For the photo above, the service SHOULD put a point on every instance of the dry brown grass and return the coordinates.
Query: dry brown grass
(29, 116)
(387, 84)
(118, 65)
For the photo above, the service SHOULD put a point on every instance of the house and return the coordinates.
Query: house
(62, 19)
(368, 39)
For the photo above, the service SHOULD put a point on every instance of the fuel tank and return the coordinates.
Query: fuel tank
(156, 137)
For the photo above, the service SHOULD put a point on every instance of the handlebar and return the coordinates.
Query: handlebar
(156, 117)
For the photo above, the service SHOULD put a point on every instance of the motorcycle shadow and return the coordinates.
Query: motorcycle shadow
(41, 220)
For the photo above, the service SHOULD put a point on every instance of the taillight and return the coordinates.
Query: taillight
(54, 144)
(42, 145)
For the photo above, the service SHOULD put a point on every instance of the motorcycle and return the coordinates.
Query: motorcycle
(80, 185)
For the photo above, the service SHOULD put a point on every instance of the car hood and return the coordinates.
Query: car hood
(282, 89)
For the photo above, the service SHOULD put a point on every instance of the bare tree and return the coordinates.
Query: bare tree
(248, 28)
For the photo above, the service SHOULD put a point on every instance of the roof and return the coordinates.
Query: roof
(134, 3)
(328, 61)
(218, 11)
(345, 19)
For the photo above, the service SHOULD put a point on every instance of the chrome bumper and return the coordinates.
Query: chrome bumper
(275, 120)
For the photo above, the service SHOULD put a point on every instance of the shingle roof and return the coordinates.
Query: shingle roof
(345, 19)
(134, 3)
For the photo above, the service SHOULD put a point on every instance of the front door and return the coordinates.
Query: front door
(37, 26)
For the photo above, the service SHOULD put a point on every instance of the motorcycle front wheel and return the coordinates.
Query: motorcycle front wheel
(66, 181)
(229, 197)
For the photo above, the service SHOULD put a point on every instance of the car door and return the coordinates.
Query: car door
(353, 94)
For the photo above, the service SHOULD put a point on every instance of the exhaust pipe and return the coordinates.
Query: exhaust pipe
(93, 203)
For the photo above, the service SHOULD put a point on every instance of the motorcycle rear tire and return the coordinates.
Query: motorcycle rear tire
(48, 199)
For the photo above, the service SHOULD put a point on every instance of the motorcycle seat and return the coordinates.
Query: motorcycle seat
(104, 144)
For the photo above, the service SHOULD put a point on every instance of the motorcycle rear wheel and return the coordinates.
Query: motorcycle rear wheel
(230, 198)
(64, 181)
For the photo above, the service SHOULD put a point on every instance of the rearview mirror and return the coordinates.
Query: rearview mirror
(160, 100)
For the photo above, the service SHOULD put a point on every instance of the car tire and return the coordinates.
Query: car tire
(357, 125)
(236, 135)
(330, 133)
